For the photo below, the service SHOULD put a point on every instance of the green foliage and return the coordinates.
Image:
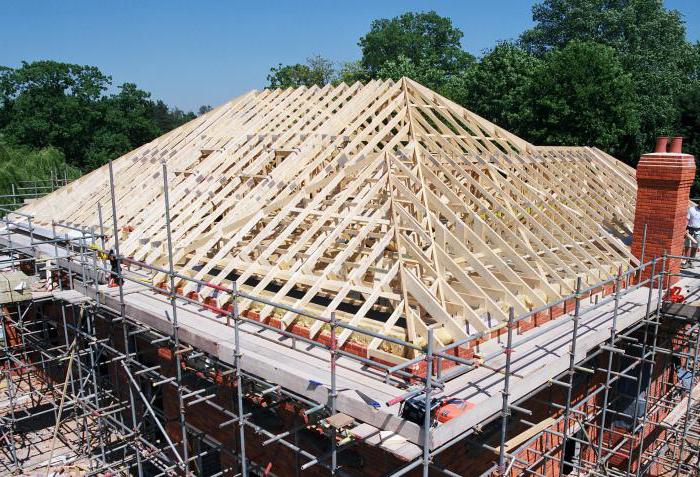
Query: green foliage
(128, 119)
(576, 94)
(47, 103)
(689, 119)
(290, 76)
(317, 71)
(629, 26)
(21, 163)
(689, 126)
(428, 75)
(499, 86)
(352, 71)
(423, 46)
(51, 104)
(426, 40)
(651, 44)
(582, 95)
(167, 118)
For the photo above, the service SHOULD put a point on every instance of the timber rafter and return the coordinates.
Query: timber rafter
(385, 203)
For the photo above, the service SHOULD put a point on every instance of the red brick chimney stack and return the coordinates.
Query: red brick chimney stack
(664, 178)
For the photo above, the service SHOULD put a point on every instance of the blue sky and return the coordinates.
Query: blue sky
(190, 53)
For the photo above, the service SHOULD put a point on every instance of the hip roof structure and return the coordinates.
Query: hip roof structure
(386, 204)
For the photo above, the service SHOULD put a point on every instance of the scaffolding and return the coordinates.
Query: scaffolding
(59, 344)
(24, 191)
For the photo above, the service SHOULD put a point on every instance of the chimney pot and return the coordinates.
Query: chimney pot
(661, 144)
(676, 145)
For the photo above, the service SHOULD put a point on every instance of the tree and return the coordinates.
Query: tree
(582, 95)
(289, 76)
(317, 71)
(6, 94)
(204, 109)
(352, 71)
(322, 69)
(47, 103)
(168, 118)
(426, 40)
(689, 119)
(688, 124)
(629, 26)
(498, 87)
(126, 120)
(21, 163)
(430, 76)
(651, 43)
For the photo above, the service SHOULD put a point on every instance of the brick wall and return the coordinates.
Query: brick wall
(464, 458)
(663, 189)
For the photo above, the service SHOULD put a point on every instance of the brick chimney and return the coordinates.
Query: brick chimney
(664, 178)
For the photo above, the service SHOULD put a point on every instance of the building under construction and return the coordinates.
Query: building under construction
(355, 280)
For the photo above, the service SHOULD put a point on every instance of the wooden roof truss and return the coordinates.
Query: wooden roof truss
(385, 203)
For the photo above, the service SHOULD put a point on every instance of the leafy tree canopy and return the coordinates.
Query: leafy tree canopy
(48, 103)
(689, 119)
(498, 87)
(431, 76)
(649, 39)
(352, 71)
(204, 109)
(629, 26)
(426, 39)
(22, 163)
(582, 95)
(424, 46)
(317, 71)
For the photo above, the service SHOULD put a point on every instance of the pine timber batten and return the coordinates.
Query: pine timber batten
(591, 262)
(385, 203)
(499, 226)
(313, 166)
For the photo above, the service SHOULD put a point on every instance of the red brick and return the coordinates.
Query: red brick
(663, 189)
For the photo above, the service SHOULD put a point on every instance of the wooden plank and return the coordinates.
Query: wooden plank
(311, 196)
